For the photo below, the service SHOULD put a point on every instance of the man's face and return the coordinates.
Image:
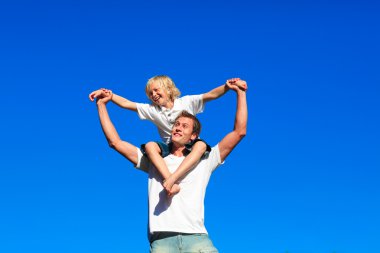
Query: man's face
(182, 131)
(158, 94)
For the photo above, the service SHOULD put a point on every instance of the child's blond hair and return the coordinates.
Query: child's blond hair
(166, 83)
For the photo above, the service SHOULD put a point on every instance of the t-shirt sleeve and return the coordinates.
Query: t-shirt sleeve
(143, 161)
(194, 103)
(213, 158)
(145, 111)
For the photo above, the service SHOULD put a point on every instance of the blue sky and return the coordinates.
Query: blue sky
(305, 178)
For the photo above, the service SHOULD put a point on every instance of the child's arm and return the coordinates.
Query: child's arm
(221, 90)
(198, 149)
(124, 103)
(153, 152)
(120, 101)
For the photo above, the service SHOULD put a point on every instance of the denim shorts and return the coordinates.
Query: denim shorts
(165, 148)
(170, 242)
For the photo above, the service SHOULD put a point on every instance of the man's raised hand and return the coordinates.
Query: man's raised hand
(104, 97)
(101, 93)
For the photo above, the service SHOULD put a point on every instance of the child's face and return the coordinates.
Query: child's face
(158, 94)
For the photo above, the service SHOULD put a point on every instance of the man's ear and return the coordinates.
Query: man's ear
(193, 136)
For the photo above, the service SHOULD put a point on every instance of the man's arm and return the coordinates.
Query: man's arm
(119, 100)
(229, 142)
(221, 90)
(126, 149)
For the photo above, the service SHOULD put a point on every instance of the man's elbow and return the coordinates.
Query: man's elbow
(115, 144)
(241, 133)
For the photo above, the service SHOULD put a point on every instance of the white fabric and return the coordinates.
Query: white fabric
(164, 118)
(184, 212)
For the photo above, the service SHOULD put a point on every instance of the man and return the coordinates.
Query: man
(176, 224)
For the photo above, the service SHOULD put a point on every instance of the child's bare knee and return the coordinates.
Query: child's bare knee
(200, 146)
(152, 147)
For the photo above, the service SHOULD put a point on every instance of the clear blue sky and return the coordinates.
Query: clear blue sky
(304, 180)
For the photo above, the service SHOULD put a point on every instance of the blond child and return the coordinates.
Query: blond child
(166, 106)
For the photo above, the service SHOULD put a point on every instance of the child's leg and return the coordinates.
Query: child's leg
(197, 151)
(153, 151)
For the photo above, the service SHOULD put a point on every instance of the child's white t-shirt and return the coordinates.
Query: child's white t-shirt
(164, 118)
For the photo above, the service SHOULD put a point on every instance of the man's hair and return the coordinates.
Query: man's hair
(166, 83)
(196, 124)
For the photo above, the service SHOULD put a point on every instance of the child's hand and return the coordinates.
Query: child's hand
(104, 97)
(231, 84)
(168, 184)
(237, 83)
(101, 93)
(174, 190)
(232, 80)
(241, 84)
(171, 187)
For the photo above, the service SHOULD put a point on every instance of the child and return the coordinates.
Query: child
(165, 107)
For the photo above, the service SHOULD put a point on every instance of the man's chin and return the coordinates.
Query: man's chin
(178, 142)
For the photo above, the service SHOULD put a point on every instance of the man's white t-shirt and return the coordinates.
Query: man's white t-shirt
(184, 212)
(164, 118)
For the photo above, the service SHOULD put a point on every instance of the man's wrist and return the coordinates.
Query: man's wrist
(239, 91)
(100, 103)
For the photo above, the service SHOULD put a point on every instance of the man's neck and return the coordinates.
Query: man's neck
(178, 150)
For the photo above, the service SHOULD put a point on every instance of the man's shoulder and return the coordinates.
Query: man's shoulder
(213, 152)
(143, 162)
(212, 158)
